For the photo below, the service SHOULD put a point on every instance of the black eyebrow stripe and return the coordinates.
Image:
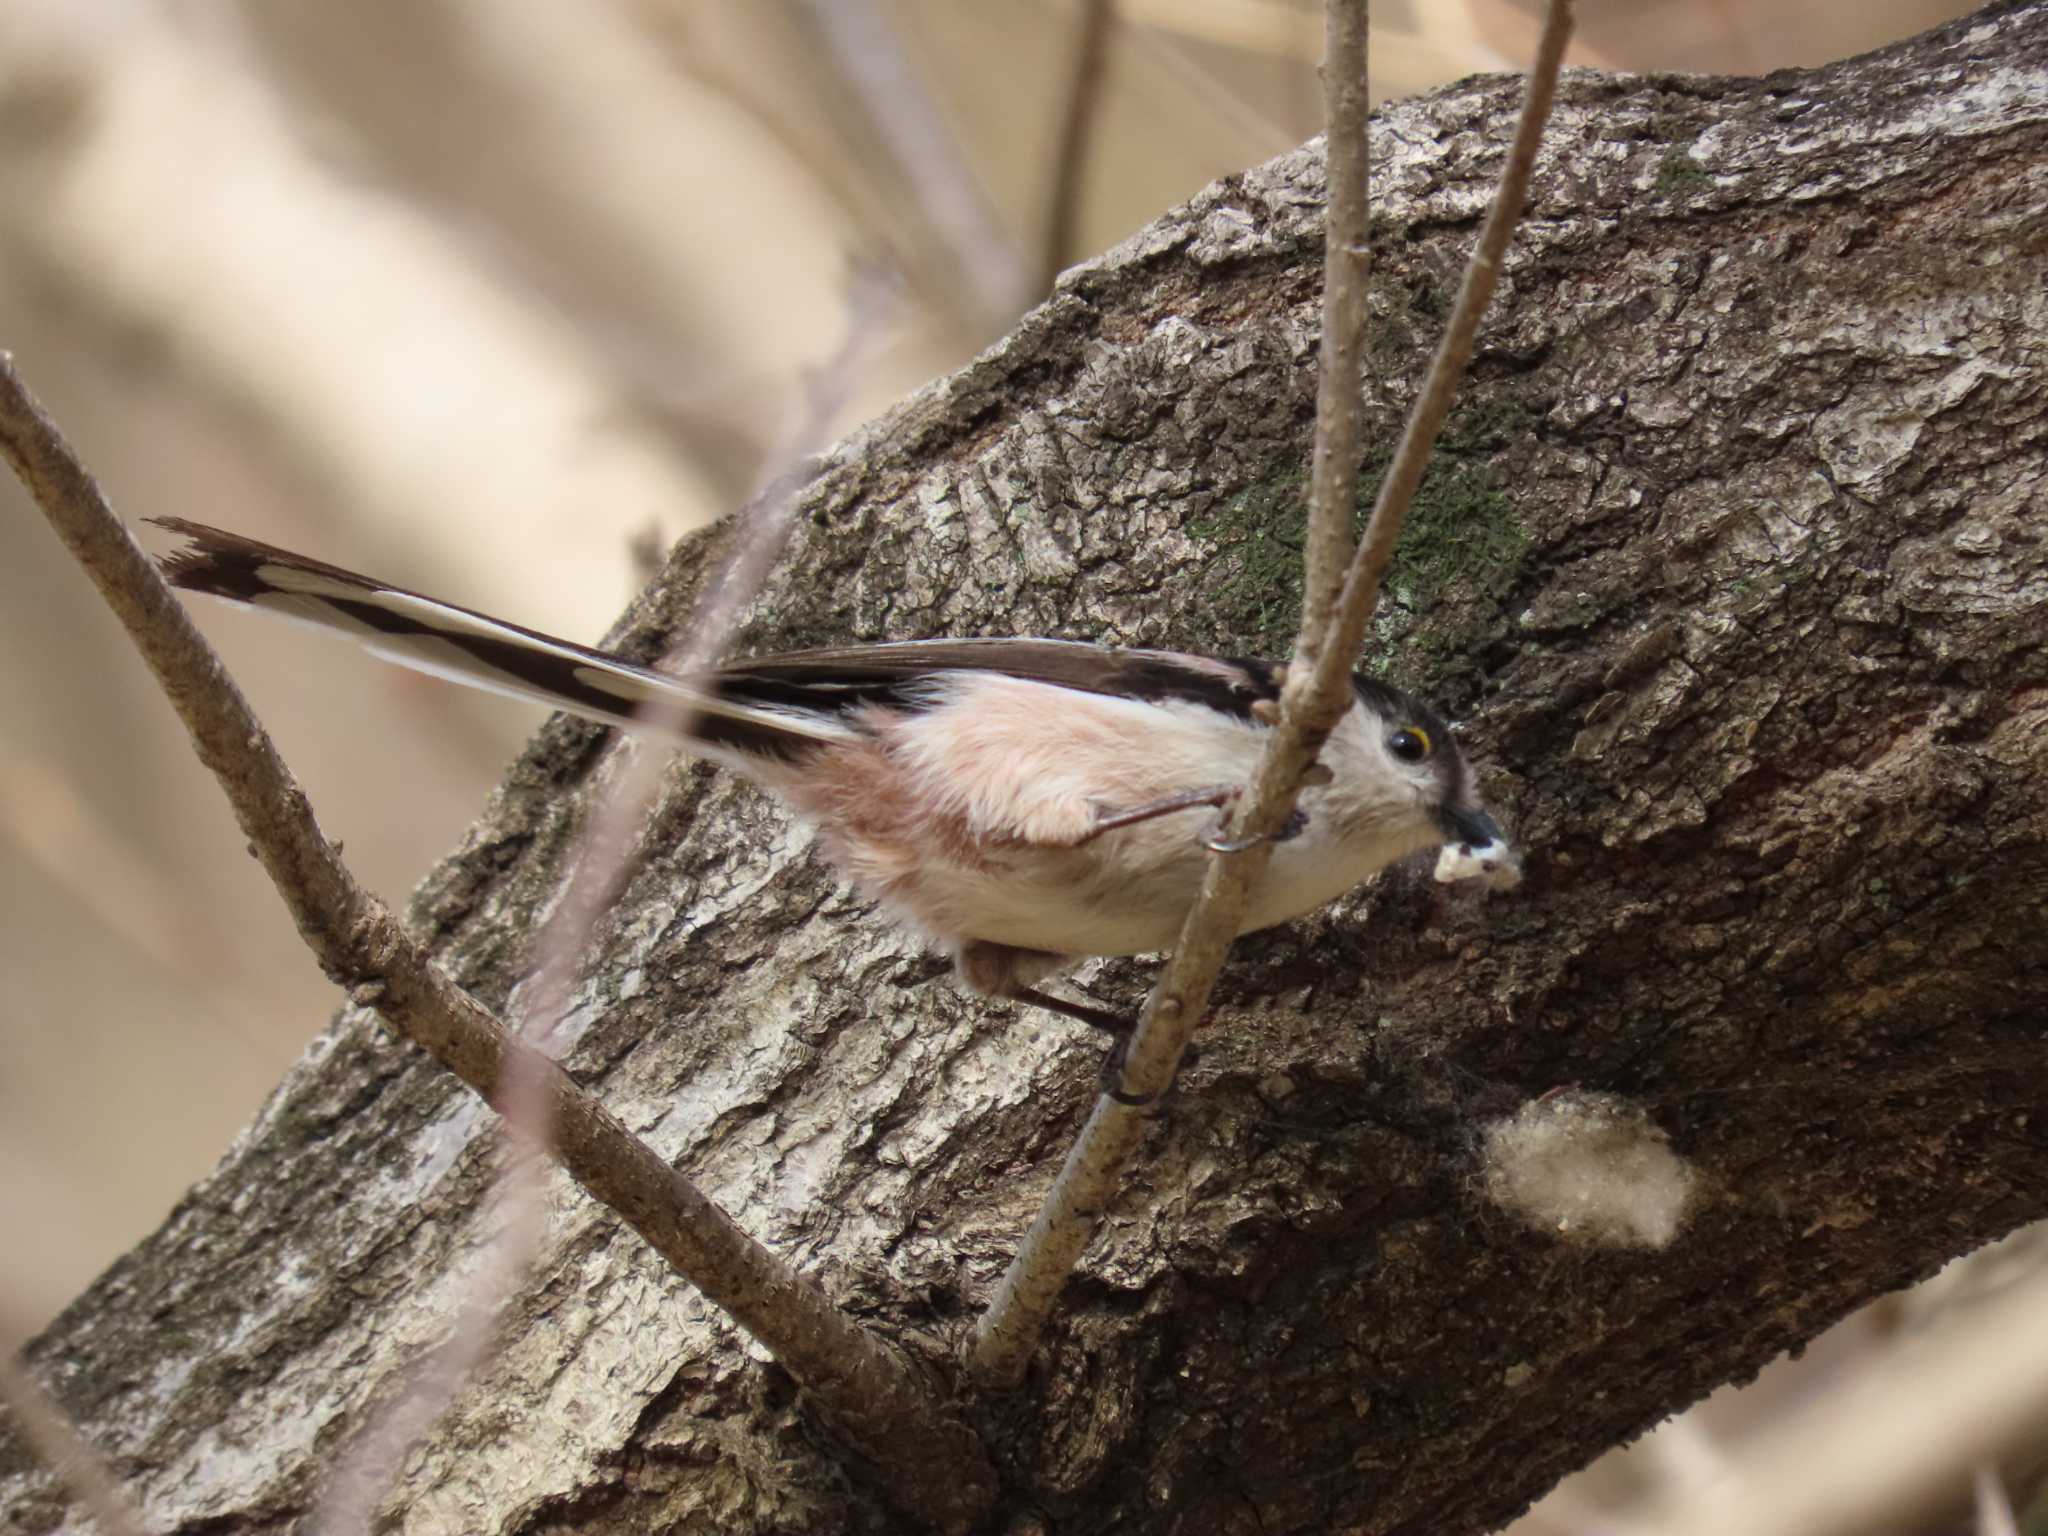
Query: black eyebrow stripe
(1404, 711)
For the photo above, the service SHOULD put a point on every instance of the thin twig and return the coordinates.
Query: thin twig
(1077, 136)
(1258, 134)
(66, 1452)
(871, 59)
(1426, 419)
(869, 1389)
(600, 865)
(1314, 698)
(1009, 1329)
(1347, 289)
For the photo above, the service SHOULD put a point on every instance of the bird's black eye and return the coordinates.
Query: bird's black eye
(1410, 744)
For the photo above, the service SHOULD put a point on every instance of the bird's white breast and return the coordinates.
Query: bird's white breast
(1027, 764)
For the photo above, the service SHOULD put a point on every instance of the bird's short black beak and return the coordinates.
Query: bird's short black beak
(1472, 828)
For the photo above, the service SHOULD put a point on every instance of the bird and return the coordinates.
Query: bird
(1020, 802)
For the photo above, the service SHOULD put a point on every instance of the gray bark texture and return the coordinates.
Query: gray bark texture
(1733, 570)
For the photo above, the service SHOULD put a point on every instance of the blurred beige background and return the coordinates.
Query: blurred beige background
(485, 298)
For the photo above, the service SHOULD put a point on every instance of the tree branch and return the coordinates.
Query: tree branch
(1318, 687)
(1425, 421)
(363, 949)
(1347, 292)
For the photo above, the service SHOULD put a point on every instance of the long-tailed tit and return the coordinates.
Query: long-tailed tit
(1023, 802)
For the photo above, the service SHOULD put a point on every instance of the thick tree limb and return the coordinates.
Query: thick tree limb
(1748, 633)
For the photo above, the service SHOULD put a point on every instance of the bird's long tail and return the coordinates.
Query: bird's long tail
(465, 646)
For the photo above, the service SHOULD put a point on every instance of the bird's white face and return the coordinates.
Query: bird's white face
(1393, 774)
(1398, 785)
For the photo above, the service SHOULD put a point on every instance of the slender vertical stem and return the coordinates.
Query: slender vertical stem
(1316, 694)
(1454, 351)
(1347, 284)
(1009, 1329)
(1077, 137)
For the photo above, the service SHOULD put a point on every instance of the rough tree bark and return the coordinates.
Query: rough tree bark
(1733, 568)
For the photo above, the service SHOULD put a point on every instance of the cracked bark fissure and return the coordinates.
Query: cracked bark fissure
(1734, 569)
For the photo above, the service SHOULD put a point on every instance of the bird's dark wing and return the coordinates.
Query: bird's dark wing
(780, 705)
(899, 673)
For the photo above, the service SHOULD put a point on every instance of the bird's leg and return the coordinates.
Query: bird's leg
(1003, 970)
(1219, 796)
(1104, 1019)
(1216, 842)
(1188, 799)
(1118, 1027)
(1111, 1083)
(1297, 820)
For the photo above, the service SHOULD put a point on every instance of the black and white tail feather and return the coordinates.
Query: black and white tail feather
(461, 645)
(773, 706)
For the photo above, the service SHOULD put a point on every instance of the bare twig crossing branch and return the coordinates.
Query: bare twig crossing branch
(361, 947)
(1318, 687)
(1347, 287)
